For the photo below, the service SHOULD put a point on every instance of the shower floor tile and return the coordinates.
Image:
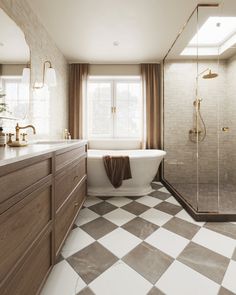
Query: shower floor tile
(208, 196)
(144, 246)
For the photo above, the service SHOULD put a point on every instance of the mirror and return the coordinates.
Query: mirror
(14, 72)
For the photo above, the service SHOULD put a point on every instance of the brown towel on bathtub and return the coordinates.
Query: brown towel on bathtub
(117, 169)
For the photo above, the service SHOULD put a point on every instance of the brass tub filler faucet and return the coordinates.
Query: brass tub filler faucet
(17, 142)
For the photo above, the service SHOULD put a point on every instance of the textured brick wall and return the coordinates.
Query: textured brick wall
(180, 86)
(230, 120)
(43, 48)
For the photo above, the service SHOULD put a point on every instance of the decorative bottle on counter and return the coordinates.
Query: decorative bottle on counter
(2, 137)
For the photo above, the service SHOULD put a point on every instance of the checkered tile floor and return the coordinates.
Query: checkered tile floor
(144, 245)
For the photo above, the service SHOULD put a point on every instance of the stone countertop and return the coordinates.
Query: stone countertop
(9, 155)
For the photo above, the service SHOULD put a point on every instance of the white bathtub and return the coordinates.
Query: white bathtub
(144, 165)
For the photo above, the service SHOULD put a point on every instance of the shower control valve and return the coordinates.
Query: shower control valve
(225, 129)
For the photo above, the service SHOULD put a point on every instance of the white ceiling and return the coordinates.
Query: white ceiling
(13, 47)
(84, 30)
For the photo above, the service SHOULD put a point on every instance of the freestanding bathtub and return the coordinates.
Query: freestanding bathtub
(144, 165)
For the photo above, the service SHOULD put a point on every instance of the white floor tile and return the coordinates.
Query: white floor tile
(156, 216)
(180, 279)
(85, 216)
(184, 215)
(215, 242)
(163, 190)
(167, 242)
(119, 242)
(63, 280)
(119, 201)
(119, 216)
(149, 201)
(120, 279)
(229, 281)
(77, 240)
(172, 200)
(90, 201)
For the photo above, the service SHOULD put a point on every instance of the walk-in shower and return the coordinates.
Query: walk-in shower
(199, 107)
(198, 132)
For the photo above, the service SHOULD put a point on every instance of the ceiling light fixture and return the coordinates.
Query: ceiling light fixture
(116, 43)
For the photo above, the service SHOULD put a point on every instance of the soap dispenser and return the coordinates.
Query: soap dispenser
(2, 138)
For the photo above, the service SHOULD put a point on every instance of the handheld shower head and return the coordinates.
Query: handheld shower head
(210, 75)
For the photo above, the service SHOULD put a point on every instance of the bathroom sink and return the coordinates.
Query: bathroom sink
(49, 142)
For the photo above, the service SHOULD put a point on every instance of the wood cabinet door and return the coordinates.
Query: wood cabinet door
(21, 226)
(67, 214)
(29, 279)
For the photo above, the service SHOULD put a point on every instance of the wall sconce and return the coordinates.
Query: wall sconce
(26, 75)
(49, 76)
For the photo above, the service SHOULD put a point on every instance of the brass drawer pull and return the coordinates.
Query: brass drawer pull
(225, 129)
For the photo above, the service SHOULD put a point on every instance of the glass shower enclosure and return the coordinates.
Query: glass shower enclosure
(199, 113)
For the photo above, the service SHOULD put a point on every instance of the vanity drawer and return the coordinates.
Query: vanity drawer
(68, 157)
(65, 217)
(67, 180)
(16, 181)
(21, 225)
(29, 279)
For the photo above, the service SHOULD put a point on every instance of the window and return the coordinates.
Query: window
(114, 108)
(16, 96)
(40, 111)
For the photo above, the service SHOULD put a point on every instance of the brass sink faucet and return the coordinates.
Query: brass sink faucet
(17, 142)
(18, 130)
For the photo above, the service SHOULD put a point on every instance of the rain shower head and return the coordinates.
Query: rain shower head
(210, 75)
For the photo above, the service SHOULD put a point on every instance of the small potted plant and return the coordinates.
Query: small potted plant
(3, 105)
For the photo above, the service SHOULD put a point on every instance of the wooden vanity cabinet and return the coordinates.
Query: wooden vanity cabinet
(70, 191)
(40, 199)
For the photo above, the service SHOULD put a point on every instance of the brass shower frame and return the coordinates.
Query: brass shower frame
(199, 216)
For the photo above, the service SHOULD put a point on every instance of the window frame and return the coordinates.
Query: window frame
(113, 80)
(17, 79)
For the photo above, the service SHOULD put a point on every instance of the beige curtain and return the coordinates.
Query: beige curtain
(78, 74)
(151, 87)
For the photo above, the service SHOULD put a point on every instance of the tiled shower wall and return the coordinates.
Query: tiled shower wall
(218, 109)
(43, 48)
(230, 105)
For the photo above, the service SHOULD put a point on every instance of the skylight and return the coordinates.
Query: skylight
(215, 35)
(215, 31)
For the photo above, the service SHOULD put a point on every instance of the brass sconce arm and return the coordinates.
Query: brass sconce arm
(50, 72)
(44, 68)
